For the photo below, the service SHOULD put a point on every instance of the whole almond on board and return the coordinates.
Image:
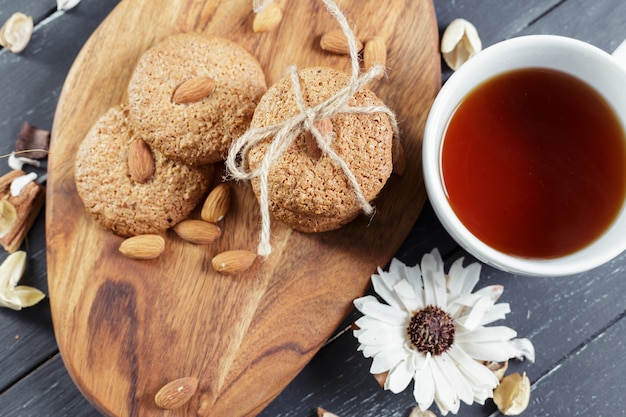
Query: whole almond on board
(175, 394)
(324, 413)
(140, 161)
(267, 19)
(147, 246)
(335, 41)
(197, 231)
(375, 52)
(216, 204)
(194, 89)
(325, 127)
(233, 261)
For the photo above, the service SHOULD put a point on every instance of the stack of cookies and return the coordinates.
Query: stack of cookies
(146, 164)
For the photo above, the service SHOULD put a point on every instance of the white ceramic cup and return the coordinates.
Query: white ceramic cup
(592, 65)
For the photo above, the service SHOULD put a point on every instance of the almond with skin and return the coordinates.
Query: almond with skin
(375, 52)
(193, 90)
(325, 127)
(175, 394)
(198, 231)
(216, 204)
(267, 19)
(233, 261)
(140, 161)
(148, 246)
(335, 42)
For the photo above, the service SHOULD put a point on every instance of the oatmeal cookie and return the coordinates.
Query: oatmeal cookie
(198, 132)
(119, 203)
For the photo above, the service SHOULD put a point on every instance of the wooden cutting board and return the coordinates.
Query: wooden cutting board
(127, 327)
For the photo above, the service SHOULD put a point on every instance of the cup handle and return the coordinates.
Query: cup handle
(620, 54)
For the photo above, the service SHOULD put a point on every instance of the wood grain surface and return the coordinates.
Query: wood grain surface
(126, 327)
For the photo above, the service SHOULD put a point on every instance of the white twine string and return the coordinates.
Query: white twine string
(259, 5)
(285, 132)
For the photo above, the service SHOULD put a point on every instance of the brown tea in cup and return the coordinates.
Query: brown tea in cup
(534, 163)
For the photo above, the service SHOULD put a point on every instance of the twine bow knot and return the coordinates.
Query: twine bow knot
(285, 132)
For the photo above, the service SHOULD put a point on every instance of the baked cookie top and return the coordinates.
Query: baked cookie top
(310, 194)
(117, 202)
(199, 132)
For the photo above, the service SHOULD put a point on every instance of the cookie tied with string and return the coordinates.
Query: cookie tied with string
(307, 189)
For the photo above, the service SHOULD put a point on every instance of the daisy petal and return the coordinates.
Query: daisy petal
(481, 376)
(407, 296)
(486, 334)
(459, 383)
(456, 278)
(388, 359)
(382, 335)
(434, 280)
(400, 377)
(497, 312)
(495, 351)
(445, 396)
(370, 306)
(424, 388)
(382, 288)
(492, 291)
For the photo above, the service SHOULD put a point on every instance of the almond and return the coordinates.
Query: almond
(193, 90)
(140, 161)
(335, 41)
(176, 393)
(197, 231)
(267, 19)
(216, 204)
(233, 261)
(148, 246)
(397, 157)
(375, 52)
(325, 127)
(324, 413)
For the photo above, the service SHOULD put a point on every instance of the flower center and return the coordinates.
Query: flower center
(431, 329)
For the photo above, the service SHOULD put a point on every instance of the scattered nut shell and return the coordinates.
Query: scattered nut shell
(267, 19)
(460, 41)
(140, 161)
(324, 413)
(148, 246)
(513, 394)
(498, 368)
(198, 231)
(216, 204)
(375, 52)
(16, 32)
(193, 90)
(175, 394)
(8, 217)
(325, 127)
(233, 261)
(418, 412)
(335, 42)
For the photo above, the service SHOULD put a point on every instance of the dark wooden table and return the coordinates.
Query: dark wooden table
(577, 323)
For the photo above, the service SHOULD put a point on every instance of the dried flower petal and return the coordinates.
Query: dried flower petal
(324, 413)
(418, 412)
(32, 141)
(18, 162)
(11, 295)
(66, 4)
(8, 217)
(513, 394)
(18, 184)
(525, 349)
(16, 32)
(460, 41)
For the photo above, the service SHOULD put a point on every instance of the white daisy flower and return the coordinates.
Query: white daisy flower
(432, 330)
